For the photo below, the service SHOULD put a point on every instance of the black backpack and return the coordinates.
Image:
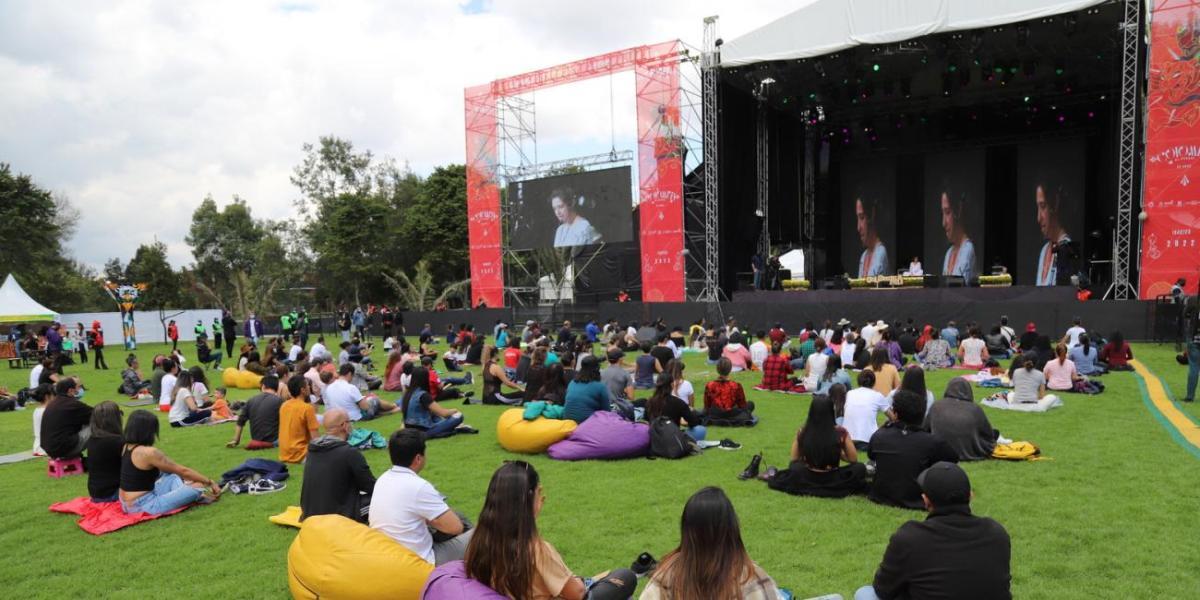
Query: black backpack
(667, 440)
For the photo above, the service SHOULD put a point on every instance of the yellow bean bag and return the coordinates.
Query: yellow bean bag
(515, 434)
(229, 377)
(334, 558)
(248, 380)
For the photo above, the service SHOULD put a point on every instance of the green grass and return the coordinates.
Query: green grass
(1112, 513)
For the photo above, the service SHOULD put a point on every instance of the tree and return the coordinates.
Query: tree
(435, 225)
(164, 286)
(419, 292)
(349, 238)
(224, 244)
(114, 270)
(331, 168)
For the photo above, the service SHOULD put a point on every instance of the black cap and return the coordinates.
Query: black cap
(615, 355)
(945, 484)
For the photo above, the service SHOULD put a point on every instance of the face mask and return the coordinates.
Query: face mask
(79, 395)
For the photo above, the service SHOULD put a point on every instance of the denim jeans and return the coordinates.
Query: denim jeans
(1193, 351)
(866, 592)
(444, 427)
(698, 432)
(169, 493)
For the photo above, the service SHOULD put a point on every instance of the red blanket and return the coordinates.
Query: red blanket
(104, 517)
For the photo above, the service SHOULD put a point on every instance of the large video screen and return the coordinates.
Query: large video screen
(579, 209)
(954, 213)
(869, 217)
(1050, 189)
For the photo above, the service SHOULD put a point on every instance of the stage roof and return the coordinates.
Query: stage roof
(827, 26)
(17, 307)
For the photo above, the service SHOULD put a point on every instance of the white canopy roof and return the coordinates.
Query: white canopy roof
(17, 307)
(826, 26)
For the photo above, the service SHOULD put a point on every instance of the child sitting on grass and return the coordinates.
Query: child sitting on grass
(220, 407)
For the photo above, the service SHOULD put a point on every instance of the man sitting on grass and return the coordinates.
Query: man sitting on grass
(262, 411)
(337, 479)
(297, 421)
(901, 450)
(66, 422)
(724, 399)
(951, 554)
(344, 395)
(407, 508)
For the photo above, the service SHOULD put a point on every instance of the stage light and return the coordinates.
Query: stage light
(875, 67)
(952, 68)
(1026, 99)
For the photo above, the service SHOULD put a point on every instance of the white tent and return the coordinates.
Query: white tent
(826, 26)
(17, 307)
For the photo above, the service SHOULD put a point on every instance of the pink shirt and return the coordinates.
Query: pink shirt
(738, 355)
(1059, 377)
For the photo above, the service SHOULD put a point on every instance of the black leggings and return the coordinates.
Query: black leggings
(99, 354)
(617, 585)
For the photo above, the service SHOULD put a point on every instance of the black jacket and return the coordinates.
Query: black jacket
(61, 424)
(900, 455)
(229, 327)
(335, 478)
(951, 554)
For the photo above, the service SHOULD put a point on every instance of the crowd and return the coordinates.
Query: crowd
(840, 450)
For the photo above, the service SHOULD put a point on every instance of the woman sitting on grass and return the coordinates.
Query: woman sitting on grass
(132, 383)
(104, 453)
(1116, 353)
(914, 381)
(818, 451)
(586, 394)
(936, 352)
(834, 374)
(711, 560)
(507, 553)
(1060, 371)
(535, 375)
(184, 409)
(1086, 357)
(392, 372)
(681, 387)
(495, 379)
(421, 410)
(665, 404)
(1029, 384)
(554, 385)
(887, 377)
(150, 482)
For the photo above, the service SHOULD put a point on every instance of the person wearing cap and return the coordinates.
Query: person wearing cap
(1028, 339)
(902, 449)
(616, 377)
(951, 554)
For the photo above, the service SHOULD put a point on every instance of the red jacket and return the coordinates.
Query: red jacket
(172, 332)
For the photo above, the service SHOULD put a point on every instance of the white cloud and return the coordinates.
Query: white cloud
(137, 109)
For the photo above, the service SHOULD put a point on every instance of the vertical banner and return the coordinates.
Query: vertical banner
(483, 199)
(660, 175)
(1170, 244)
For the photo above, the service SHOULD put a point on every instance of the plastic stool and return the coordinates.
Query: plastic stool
(59, 468)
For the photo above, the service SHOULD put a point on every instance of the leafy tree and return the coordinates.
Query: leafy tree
(435, 225)
(330, 169)
(164, 286)
(224, 244)
(114, 270)
(418, 292)
(349, 238)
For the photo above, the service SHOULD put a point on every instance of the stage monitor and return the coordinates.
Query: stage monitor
(869, 217)
(954, 214)
(577, 209)
(1050, 204)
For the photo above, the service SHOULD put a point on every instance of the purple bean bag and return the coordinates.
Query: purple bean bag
(604, 435)
(450, 582)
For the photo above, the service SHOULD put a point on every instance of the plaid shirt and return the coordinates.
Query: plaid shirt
(775, 373)
(724, 395)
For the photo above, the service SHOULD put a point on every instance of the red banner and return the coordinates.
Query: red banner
(1170, 244)
(660, 167)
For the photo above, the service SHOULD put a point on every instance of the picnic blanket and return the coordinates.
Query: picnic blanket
(9, 459)
(1042, 405)
(100, 518)
(139, 402)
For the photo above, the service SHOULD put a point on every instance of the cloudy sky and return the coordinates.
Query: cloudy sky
(135, 110)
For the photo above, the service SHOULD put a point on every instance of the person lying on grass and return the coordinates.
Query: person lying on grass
(711, 560)
(150, 482)
(507, 553)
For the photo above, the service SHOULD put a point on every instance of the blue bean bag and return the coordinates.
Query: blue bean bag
(604, 435)
(450, 582)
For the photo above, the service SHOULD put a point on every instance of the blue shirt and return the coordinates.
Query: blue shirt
(951, 337)
(592, 331)
(502, 339)
(1085, 364)
(583, 399)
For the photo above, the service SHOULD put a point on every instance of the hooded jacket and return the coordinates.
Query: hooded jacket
(336, 477)
(962, 423)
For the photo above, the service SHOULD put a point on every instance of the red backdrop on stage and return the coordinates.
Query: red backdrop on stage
(660, 167)
(1170, 248)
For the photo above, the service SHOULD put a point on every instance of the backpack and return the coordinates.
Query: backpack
(1017, 451)
(624, 408)
(667, 440)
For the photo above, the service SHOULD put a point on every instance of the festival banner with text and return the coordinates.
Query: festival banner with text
(1170, 244)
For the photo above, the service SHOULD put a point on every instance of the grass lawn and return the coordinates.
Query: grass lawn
(1112, 513)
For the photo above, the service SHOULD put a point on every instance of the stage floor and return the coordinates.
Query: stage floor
(1016, 293)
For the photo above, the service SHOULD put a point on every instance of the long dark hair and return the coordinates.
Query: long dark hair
(106, 420)
(837, 397)
(503, 550)
(184, 380)
(820, 447)
(1086, 342)
(831, 367)
(589, 370)
(553, 382)
(419, 380)
(657, 404)
(914, 381)
(1117, 340)
(198, 375)
(711, 560)
(879, 357)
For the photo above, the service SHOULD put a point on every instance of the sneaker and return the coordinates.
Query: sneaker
(465, 429)
(468, 379)
(728, 444)
(235, 487)
(266, 486)
(1189, 399)
(751, 470)
(644, 565)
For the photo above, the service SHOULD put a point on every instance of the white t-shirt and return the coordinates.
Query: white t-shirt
(389, 343)
(320, 351)
(759, 353)
(868, 335)
(180, 410)
(402, 506)
(863, 407)
(35, 375)
(686, 392)
(168, 390)
(344, 395)
(294, 352)
(973, 351)
(817, 362)
(1073, 336)
(848, 350)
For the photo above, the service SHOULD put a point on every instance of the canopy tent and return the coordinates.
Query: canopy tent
(827, 26)
(17, 307)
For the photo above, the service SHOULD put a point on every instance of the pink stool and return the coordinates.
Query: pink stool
(59, 468)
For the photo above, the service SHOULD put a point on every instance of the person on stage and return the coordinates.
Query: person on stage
(960, 256)
(573, 229)
(874, 259)
(914, 268)
(1054, 258)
